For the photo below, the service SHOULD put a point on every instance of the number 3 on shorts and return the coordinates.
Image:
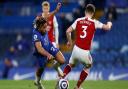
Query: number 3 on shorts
(84, 31)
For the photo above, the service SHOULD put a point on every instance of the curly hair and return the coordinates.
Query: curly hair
(39, 22)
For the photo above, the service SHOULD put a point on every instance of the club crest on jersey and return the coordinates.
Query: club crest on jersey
(35, 37)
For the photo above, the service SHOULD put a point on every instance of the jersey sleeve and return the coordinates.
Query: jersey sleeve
(98, 24)
(55, 22)
(74, 24)
(56, 29)
(36, 37)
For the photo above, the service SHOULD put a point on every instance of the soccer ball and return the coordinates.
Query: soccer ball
(63, 84)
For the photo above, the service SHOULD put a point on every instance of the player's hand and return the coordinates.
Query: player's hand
(109, 24)
(69, 43)
(55, 11)
(50, 57)
(58, 6)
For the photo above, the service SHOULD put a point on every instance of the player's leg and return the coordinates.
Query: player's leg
(39, 71)
(57, 64)
(72, 63)
(67, 69)
(58, 57)
(83, 76)
(84, 73)
(38, 74)
(60, 60)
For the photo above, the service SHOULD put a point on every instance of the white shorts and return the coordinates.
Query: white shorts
(80, 55)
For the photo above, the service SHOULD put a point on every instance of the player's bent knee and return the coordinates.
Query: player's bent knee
(62, 61)
(60, 58)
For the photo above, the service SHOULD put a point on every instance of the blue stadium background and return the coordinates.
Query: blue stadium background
(109, 49)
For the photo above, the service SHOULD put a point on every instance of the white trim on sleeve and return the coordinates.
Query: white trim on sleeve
(98, 24)
(55, 23)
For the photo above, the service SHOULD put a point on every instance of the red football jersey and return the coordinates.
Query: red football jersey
(51, 33)
(85, 29)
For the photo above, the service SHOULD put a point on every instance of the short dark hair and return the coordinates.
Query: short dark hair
(40, 21)
(90, 8)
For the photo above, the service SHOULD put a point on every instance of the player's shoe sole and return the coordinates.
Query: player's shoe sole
(39, 85)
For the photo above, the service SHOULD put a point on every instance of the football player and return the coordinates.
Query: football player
(85, 28)
(44, 50)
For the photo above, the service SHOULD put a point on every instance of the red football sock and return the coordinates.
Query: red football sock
(83, 76)
(67, 69)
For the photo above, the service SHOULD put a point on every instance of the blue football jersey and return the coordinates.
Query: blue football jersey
(43, 38)
(46, 44)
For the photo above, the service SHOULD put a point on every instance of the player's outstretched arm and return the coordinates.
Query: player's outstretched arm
(56, 10)
(107, 26)
(42, 51)
(68, 34)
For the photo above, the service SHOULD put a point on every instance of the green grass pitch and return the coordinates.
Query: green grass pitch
(28, 84)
